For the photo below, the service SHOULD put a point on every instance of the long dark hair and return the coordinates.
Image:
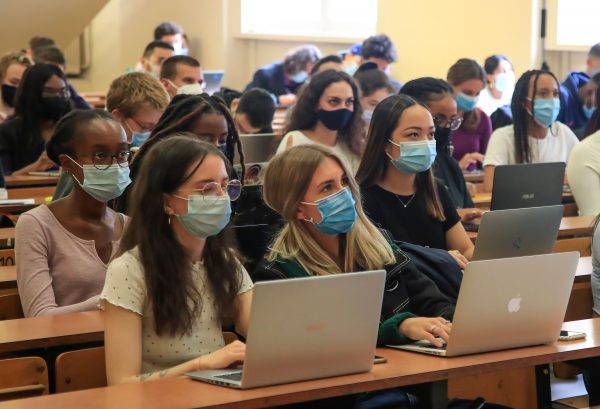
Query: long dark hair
(175, 300)
(463, 70)
(374, 163)
(28, 102)
(594, 122)
(304, 114)
(521, 115)
(179, 116)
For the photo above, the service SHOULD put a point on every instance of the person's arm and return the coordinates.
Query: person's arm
(243, 304)
(33, 273)
(584, 180)
(488, 177)
(499, 151)
(486, 133)
(457, 239)
(42, 164)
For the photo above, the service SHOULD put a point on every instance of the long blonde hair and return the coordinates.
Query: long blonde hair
(286, 180)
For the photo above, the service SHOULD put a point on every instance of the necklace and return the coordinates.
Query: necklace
(409, 200)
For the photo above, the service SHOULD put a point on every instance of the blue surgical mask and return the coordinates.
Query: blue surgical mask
(138, 138)
(589, 111)
(104, 184)
(338, 213)
(415, 157)
(351, 69)
(299, 77)
(206, 216)
(505, 81)
(545, 111)
(466, 103)
(367, 115)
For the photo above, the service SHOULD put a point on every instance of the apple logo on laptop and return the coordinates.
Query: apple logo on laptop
(514, 305)
(517, 244)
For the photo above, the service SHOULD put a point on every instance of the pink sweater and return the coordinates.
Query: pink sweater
(57, 272)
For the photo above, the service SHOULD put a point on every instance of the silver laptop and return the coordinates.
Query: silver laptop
(308, 328)
(258, 148)
(212, 80)
(517, 232)
(508, 303)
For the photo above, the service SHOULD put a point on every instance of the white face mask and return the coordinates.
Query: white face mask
(188, 89)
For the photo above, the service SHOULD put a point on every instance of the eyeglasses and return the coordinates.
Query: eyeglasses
(442, 122)
(103, 160)
(212, 190)
(49, 92)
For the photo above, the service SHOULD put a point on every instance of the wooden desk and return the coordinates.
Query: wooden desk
(403, 368)
(473, 177)
(21, 208)
(8, 277)
(29, 180)
(51, 330)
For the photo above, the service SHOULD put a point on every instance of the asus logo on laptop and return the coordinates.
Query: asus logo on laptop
(528, 196)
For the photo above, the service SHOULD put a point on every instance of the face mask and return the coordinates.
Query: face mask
(335, 120)
(351, 69)
(504, 81)
(189, 89)
(8, 95)
(545, 111)
(104, 185)
(442, 139)
(138, 138)
(415, 157)
(184, 51)
(299, 77)
(206, 218)
(367, 115)
(465, 102)
(53, 108)
(589, 111)
(153, 69)
(338, 213)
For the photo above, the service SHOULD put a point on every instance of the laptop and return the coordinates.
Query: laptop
(258, 148)
(308, 328)
(508, 303)
(212, 80)
(527, 185)
(517, 232)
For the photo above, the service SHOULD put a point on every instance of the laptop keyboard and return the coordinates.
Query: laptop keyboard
(235, 376)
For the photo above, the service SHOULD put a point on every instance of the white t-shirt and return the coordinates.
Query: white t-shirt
(125, 287)
(488, 104)
(583, 172)
(554, 147)
(295, 138)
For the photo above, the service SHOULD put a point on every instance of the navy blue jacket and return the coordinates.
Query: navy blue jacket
(272, 78)
(571, 111)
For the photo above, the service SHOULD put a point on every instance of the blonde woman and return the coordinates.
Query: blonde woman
(12, 67)
(326, 232)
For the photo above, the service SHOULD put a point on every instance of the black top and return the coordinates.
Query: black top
(449, 175)
(19, 145)
(272, 78)
(411, 224)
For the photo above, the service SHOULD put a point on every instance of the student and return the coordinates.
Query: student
(437, 96)
(41, 100)
(351, 58)
(253, 112)
(172, 33)
(380, 50)
(399, 191)
(181, 74)
(38, 42)
(283, 78)
(535, 136)
(63, 249)
(12, 67)
(575, 109)
(154, 56)
(500, 84)
(583, 167)
(203, 116)
(329, 62)
(375, 86)
(53, 55)
(328, 112)
(470, 141)
(326, 232)
(594, 122)
(177, 280)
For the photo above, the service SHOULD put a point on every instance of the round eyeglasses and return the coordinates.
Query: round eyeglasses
(453, 123)
(212, 190)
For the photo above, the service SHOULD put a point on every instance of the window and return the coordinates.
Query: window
(573, 24)
(347, 19)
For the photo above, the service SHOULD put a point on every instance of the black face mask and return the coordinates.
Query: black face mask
(335, 120)
(53, 108)
(8, 95)
(443, 139)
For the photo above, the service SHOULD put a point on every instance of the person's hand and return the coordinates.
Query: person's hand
(224, 357)
(467, 215)
(459, 258)
(287, 99)
(43, 163)
(470, 159)
(427, 329)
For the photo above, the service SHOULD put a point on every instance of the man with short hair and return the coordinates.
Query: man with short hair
(182, 74)
(53, 55)
(38, 42)
(171, 33)
(254, 111)
(154, 55)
